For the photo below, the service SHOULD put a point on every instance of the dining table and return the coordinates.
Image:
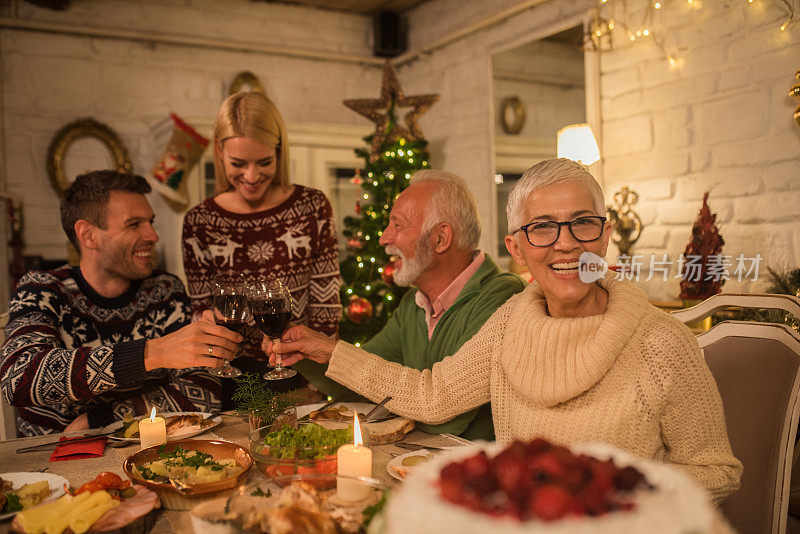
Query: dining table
(232, 428)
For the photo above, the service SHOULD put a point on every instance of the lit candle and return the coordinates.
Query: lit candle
(353, 461)
(152, 431)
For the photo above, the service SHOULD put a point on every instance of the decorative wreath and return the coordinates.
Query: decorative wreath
(246, 78)
(87, 127)
(513, 104)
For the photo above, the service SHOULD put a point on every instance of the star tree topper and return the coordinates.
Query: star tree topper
(377, 110)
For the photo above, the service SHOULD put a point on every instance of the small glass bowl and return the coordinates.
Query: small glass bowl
(277, 462)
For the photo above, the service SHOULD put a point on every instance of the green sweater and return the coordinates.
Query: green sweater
(404, 339)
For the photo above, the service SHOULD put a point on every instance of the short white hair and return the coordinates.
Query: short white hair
(452, 202)
(546, 173)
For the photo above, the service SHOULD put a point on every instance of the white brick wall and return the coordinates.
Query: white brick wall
(50, 80)
(721, 121)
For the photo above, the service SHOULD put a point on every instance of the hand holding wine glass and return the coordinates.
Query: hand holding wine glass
(271, 306)
(231, 310)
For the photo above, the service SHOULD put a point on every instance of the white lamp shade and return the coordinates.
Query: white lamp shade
(577, 142)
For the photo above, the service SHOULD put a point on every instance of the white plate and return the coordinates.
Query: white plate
(397, 461)
(118, 424)
(18, 480)
(360, 407)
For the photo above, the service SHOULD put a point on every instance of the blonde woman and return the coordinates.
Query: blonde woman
(261, 225)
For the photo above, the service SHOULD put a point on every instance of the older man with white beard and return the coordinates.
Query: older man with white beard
(433, 232)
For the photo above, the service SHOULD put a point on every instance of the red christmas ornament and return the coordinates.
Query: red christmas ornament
(388, 273)
(358, 208)
(356, 179)
(354, 244)
(359, 309)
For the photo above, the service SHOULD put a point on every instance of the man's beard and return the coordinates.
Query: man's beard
(117, 261)
(412, 268)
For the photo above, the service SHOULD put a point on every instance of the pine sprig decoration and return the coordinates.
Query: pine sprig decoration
(780, 283)
(253, 398)
(787, 283)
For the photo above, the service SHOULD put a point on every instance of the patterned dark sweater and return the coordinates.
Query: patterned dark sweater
(294, 241)
(71, 351)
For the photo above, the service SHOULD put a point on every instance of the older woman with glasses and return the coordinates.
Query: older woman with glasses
(567, 360)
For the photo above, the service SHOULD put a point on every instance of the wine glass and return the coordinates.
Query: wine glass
(231, 310)
(271, 306)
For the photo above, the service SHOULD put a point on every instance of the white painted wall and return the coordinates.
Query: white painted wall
(460, 127)
(49, 80)
(548, 78)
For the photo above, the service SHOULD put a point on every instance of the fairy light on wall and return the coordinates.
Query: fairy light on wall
(612, 14)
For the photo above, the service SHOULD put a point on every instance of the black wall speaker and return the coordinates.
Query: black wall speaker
(390, 34)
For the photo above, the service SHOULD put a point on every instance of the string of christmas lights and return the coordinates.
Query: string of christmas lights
(612, 15)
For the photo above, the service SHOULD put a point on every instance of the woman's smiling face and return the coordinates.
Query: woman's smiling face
(555, 267)
(250, 166)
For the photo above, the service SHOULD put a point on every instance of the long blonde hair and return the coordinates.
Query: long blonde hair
(250, 115)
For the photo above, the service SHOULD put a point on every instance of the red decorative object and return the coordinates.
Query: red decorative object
(359, 309)
(539, 480)
(388, 273)
(356, 179)
(705, 246)
(354, 244)
(358, 208)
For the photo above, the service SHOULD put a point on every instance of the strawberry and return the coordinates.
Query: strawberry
(477, 465)
(550, 502)
(509, 468)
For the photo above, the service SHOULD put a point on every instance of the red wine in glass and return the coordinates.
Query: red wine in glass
(271, 306)
(237, 325)
(272, 320)
(231, 309)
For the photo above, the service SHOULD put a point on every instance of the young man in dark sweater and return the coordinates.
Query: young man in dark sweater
(89, 343)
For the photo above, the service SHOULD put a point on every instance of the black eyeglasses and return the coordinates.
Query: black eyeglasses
(545, 233)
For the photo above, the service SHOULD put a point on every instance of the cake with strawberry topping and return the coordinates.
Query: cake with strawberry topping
(541, 487)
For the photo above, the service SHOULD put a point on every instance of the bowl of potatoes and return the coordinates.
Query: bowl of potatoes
(187, 471)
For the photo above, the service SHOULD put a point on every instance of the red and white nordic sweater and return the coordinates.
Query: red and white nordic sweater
(294, 241)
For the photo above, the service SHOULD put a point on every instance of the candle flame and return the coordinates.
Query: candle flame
(356, 431)
(153, 414)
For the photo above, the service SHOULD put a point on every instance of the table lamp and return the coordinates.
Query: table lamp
(577, 142)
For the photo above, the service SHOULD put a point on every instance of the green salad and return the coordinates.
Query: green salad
(308, 442)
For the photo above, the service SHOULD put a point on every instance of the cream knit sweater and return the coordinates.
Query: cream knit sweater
(633, 377)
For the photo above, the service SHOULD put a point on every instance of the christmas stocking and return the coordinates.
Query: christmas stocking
(182, 153)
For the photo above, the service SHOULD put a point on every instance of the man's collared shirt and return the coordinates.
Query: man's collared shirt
(447, 297)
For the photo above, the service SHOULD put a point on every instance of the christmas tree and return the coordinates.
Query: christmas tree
(396, 151)
(702, 272)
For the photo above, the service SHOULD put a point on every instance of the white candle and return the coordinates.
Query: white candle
(152, 431)
(353, 461)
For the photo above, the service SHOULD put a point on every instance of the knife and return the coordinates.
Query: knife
(418, 447)
(89, 437)
(375, 409)
(326, 405)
